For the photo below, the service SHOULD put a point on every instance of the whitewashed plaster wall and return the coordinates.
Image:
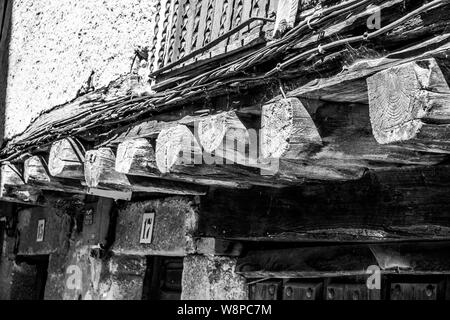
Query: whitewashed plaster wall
(56, 44)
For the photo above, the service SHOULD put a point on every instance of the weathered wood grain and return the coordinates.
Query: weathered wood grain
(410, 104)
(66, 159)
(384, 206)
(339, 260)
(287, 130)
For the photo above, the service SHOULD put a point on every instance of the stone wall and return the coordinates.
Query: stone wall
(212, 278)
(79, 269)
(55, 46)
(175, 223)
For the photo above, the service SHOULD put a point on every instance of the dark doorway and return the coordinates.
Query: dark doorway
(2, 235)
(163, 278)
(29, 278)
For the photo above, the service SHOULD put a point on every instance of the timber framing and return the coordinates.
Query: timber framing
(296, 115)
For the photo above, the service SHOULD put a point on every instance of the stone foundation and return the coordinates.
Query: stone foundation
(212, 278)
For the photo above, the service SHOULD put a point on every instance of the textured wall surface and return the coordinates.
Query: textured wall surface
(56, 45)
(212, 278)
(175, 222)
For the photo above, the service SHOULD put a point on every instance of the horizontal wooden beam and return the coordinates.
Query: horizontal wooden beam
(408, 204)
(415, 258)
(350, 85)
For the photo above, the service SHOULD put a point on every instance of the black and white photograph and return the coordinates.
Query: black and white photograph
(255, 153)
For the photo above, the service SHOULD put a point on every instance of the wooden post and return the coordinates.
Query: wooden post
(287, 130)
(66, 159)
(176, 146)
(410, 104)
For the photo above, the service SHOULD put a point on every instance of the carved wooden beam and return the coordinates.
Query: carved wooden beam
(66, 159)
(286, 16)
(350, 85)
(410, 105)
(176, 147)
(100, 173)
(227, 135)
(136, 157)
(287, 130)
(13, 187)
(36, 175)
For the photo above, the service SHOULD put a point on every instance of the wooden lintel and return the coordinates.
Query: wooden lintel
(415, 258)
(218, 247)
(231, 137)
(408, 204)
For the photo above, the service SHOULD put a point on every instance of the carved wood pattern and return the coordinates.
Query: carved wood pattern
(165, 26)
(237, 17)
(195, 32)
(224, 24)
(173, 33)
(209, 22)
(154, 40)
(187, 25)
(184, 28)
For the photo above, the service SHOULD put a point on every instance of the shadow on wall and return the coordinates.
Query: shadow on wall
(5, 35)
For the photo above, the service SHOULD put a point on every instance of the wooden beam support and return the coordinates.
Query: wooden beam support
(287, 130)
(348, 141)
(66, 159)
(415, 258)
(228, 136)
(350, 85)
(286, 16)
(176, 147)
(218, 247)
(410, 105)
(13, 187)
(100, 173)
(36, 175)
(393, 205)
(136, 157)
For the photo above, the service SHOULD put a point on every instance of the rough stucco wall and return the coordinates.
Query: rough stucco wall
(212, 278)
(55, 45)
(175, 222)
